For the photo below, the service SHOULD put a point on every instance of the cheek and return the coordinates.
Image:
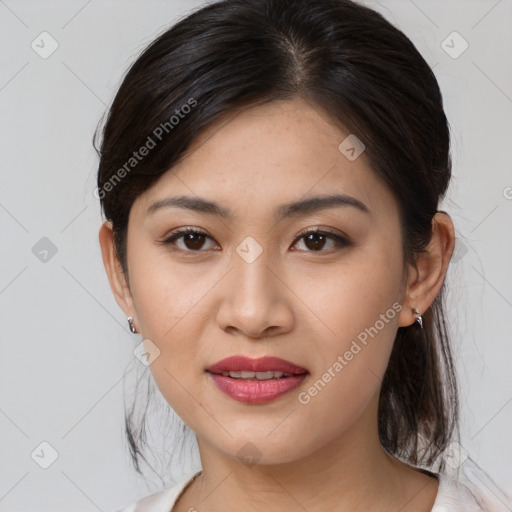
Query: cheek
(168, 296)
(170, 307)
(347, 372)
(358, 308)
(350, 296)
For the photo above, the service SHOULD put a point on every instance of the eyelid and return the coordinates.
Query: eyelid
(321, 229)
(188, 229)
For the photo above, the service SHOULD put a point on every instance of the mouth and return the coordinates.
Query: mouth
(262, 365)
(256, 381)
(248, 375)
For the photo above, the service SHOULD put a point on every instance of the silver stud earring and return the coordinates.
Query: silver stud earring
(130, 324)
(419, 319)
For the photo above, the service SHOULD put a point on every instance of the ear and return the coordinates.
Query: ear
(427, 276)
(116, 277)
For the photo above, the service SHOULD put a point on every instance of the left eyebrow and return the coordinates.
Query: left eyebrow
(314, 204)
(292, 209)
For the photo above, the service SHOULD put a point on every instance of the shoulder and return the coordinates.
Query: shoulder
(454, 496)
(160, 501)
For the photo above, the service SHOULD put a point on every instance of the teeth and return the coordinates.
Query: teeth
(247, 375)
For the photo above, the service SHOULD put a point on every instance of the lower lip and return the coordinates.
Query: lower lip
(256, 391)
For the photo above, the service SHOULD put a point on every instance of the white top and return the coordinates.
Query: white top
(452, 496)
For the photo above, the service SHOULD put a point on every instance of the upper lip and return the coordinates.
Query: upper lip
(262, 364)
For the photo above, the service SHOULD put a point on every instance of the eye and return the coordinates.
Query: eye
(315, 239)
(192, 238)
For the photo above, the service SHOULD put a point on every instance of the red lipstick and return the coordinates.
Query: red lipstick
(256, 381)
(263, 364)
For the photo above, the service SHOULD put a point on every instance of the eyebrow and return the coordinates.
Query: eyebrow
(292, 209)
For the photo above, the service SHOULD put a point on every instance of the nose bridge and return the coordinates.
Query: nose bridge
(251, 274)
(252, 301)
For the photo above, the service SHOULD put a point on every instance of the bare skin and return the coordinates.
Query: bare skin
(302, 300)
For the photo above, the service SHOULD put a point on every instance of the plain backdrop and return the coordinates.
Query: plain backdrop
(64, 341)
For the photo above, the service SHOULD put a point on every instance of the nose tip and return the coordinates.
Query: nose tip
(254, 300)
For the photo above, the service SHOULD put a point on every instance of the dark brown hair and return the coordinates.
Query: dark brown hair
(357, 68)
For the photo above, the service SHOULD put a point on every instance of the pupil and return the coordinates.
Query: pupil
(317, 245)
(190, 239)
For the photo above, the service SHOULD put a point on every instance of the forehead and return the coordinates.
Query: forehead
(270, 154)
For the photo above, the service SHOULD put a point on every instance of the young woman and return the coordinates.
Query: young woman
(270, 173)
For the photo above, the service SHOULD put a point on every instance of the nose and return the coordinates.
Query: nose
(256, 300)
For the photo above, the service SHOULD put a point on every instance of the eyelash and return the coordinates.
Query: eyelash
(340, 240)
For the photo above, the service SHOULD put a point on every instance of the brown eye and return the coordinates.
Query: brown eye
(192, 240)
(315, 240)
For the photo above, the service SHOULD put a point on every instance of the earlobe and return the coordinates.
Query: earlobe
(428, 275)
(113, 268)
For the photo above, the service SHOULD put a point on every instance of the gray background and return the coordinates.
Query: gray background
(65, 342)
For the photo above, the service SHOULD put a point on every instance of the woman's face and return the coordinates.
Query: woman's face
(253, 284)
